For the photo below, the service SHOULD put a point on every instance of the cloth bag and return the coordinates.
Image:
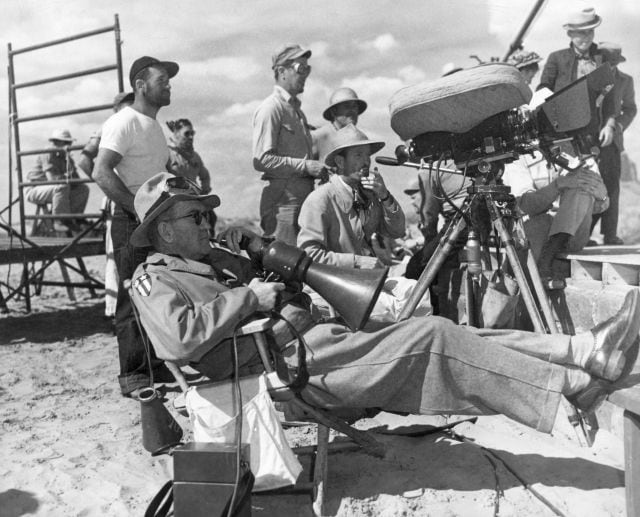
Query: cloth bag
(212, 412)
(500, 300)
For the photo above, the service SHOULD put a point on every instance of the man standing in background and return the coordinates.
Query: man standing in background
(344, 108)
(282, 148)
(133, 148)
(624, 111)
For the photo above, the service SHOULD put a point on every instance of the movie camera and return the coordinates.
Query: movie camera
(478, 116)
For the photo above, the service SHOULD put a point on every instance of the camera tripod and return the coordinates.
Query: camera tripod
(500, 204)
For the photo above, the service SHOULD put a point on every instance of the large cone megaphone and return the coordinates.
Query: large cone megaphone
(351, 292)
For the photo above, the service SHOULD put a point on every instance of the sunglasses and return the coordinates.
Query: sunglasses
(301, 68)
(198, 217)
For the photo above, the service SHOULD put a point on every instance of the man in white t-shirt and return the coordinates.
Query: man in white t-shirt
(133, 148)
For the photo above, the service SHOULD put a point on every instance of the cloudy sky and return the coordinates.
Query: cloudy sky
(224, 50)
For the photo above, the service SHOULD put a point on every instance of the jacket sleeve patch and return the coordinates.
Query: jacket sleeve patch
(142, 284)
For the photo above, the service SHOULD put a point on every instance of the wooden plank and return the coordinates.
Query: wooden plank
(632, 463)
(620, 274)
(584, 270)
(627, 398)
(14, 253)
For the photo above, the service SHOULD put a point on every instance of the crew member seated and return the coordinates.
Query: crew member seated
(351, 221)
(65, 198)
(191, 297)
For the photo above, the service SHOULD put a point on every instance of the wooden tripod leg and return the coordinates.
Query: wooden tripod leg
(321, 471)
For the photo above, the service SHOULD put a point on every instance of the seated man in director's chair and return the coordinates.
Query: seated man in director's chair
(423, 365)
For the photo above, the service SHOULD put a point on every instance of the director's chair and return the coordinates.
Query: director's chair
(279, 392)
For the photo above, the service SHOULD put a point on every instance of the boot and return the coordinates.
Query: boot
(555, 245)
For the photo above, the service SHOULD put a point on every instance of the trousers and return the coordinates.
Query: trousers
(427, 365)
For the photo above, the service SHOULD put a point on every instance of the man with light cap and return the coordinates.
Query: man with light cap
(344, 108)
(581, 58)
(191, 297)
(282, 148)
(132, 149)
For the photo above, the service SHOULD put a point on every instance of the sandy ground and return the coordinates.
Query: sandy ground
(72, 445)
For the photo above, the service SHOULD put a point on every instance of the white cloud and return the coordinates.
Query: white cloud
(382, 43)
(232, 68)
(238, 110)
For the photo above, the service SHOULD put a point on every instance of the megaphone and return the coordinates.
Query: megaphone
(351, 292)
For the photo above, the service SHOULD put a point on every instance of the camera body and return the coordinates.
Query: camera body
(477, 116)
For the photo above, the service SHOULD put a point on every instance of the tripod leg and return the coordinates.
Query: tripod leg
(514, 261)
(445, 246)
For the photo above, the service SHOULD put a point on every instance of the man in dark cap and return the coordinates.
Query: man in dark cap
(282, 148)
(133, 148)
(624, 111)
(344, 108)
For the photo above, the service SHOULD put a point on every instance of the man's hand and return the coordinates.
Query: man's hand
(374, 183)
(606, 135)
(317, 169)
(266, 292)
(233, 239)
(584, 179)
(363, 262)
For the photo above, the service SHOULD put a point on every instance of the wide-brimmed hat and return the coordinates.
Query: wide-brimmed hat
(343, 95)
(145, 62)
(157, 195)
(123, 97)
(288, 52)
(582, 20)
(349, 136)
(612, 52)
(62, 135)
(523, 58)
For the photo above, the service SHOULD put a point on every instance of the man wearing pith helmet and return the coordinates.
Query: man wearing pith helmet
(344, 108)
(282, 148)
(339, 218)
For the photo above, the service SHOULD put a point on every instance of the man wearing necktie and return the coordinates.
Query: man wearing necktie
(581, 58)
(282, 148)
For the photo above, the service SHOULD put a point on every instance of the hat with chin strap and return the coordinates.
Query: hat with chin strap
(157, 195)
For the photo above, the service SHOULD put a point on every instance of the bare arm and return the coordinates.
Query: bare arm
(110, 183)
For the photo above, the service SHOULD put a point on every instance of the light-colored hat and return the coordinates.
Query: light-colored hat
(288, 52)
(62, 135)
(449, 68)
(582, 20)
(343, 95)
(349, 136)
(612, 52)
(413, 186)
(523, 58)
(157, 195)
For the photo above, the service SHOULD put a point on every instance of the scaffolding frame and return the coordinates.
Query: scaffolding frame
(50, 250)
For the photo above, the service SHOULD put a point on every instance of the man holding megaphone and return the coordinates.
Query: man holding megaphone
(191, 298)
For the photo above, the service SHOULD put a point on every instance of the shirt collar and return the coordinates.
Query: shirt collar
(174, 263)
(294, 101)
